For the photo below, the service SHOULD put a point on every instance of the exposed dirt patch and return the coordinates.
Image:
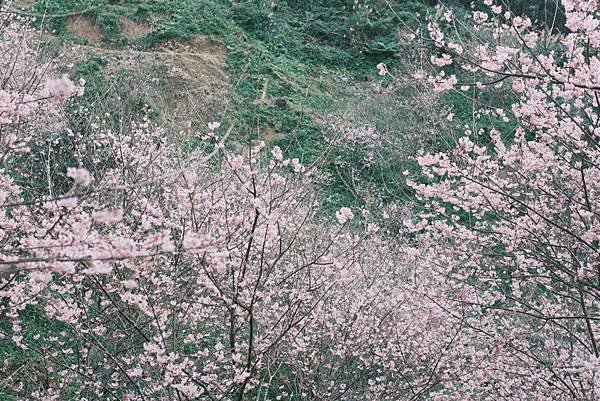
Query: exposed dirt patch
(197, 49)
(133, 30)
(266, 134)
(186, 80)
(84, 27)
(269, 135)
(199, 67)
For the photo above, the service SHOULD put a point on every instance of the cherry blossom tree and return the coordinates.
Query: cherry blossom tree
(513, 213)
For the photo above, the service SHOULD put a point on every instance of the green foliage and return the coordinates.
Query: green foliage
(302, 49)
(285, 59)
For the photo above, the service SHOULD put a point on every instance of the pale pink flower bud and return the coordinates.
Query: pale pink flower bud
(129, 284)
(61, 88)
(236, 162)
(80, 175)
(277, 153)
(344, 215)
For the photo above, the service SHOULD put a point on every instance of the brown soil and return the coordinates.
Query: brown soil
(199, 64)
(84, 27)
(269, 135)
(196, 68)
(133, 30)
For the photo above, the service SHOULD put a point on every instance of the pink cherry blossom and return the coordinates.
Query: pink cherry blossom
(344, 215)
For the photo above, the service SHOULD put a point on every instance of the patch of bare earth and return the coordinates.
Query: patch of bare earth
(266, 134)
(199, 67)
(133, 30)
(269, 135)
(84, 27)
(196, 86)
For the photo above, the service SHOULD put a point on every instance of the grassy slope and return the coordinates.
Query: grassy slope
(286, 59)
(289, 62)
